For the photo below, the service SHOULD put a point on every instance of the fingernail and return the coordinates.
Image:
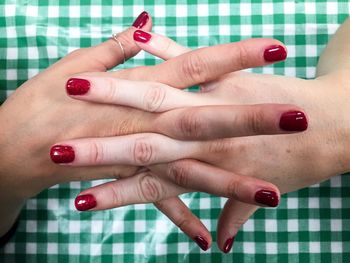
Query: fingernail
(201, 242)
(85, 202)
(141, 36)
(266, 197)
(62, 154)
(293, 121)
(275, 53)
(228, 244)
(75, 86)
(141, 20)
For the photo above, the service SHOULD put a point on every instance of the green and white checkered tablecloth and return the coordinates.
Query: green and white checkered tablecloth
(311, 225)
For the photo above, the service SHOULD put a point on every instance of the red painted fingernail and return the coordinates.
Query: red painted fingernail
(201, 242)
(266, 197)
(85, 202)
(275, 53)
(141, 36)
(293, 121)
(62, 154)
(228, 244)
(141, 20)
(75, 86)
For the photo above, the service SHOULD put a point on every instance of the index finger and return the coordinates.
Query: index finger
(207, 64)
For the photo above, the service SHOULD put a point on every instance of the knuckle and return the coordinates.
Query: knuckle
(238, 222)
(184, 221)
(116, 195)
(128, 43)
(255, 122)
(143, 151)
(194, 68)
(112, 91)
(97, 153)
(179, 171)
(154, 97)
(190, 124)
(150, 188)
(232, 188)
(221, 146)
(242, 57)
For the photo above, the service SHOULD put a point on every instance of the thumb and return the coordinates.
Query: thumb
(109, 53)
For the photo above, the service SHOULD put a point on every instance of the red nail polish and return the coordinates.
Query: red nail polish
(85, 202)
(228, 244)
(62, 154)
(293, 121)
(141, 36)
(141, 20)
(266, 197)
(201, 242)
(275, 53)
(75, 86)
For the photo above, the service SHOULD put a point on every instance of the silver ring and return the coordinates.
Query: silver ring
(115, 38)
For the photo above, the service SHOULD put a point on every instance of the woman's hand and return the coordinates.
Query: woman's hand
(290, 161)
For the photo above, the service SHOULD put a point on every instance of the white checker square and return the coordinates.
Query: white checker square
(12, 53)
(52, 248)
(118, 11)
(289, 7)
(267, 8)
(310, 72)
(183, 248)
(293, 248)
(181, 31)
(138, 9)
(267, 29)
(160, 30)
(95, 249)
(52, 204)
(33, 53)
(203, 30)
(246, 30)
(336, 225)
(207, 223)
(311, 50)
(270, 225)
(225, 30)
(310, 8)
(336, 181)
(204, 203)
(97, 226)
(31, 204)
(74, 11)
(31, 248)
(291, 51)
(203, 10)
(271, 248)
(249, 247)
(140, 207)
(337, 247)
(52, 51)
(159, 11)
(223, 201)
(331, 28)
(291, 72)
(52, 31)
(314, 225)
(11, 74)
(52, 226)
(289, 29)
(32, 72)
(53, 11)
(292, 203)
(118, 226)
(224, 9)
(74, 226)
(11, 32)
(9, 248)
(181, 10)
(332, 8)
(118, 249)
(268, 70)
(96, 11)
(31, 226)
(74, 248)
(140, 226)
(249, 226)
(9, 93)
(245, 9)
(30, 30)
(292, 225)
(74, 32)
(10, 10)
(314, 202)
(32, 10)
(161, 249)
(139, 248)
(336, 203)
(314, 247)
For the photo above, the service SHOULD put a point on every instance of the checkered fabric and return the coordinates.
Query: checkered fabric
(311, 225)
